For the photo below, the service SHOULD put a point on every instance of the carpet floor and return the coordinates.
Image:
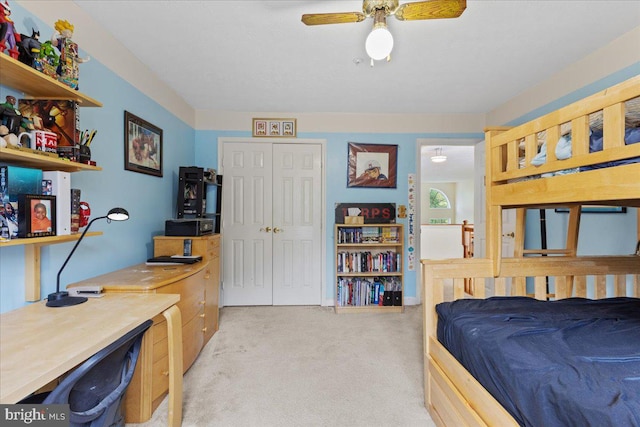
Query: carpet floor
(307, 366)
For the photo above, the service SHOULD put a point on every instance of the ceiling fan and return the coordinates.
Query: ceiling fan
(380, 41)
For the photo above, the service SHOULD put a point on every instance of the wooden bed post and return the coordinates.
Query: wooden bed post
(493, 221)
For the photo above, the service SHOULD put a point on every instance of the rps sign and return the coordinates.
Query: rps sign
(373, 213)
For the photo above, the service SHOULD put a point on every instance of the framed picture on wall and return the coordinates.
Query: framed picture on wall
(283, 128)
(372, 165)
(142, 146)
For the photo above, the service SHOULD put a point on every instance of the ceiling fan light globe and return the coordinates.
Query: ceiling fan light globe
(379, 43)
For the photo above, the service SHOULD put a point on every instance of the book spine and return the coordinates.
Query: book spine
(75, 210)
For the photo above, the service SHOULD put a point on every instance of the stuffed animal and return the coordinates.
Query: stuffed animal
(7, 138)
(4, 131)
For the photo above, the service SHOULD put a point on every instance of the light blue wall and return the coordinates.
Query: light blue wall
(336, 184)
(150, 200)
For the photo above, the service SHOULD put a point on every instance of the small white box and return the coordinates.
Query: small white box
(61, 188)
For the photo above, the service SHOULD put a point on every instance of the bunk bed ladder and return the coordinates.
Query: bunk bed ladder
(570, 249)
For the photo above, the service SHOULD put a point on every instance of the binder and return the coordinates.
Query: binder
(61, 188)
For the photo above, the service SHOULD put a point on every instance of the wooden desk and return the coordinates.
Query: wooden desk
(39, 343)
(150, 382)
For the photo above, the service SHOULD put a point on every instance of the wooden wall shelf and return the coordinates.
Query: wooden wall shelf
(32, 259)
(50, 240)
(39, 161)
(35, 84)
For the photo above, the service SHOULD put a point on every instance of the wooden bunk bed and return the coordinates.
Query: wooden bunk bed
(453, 396)
(514, 181)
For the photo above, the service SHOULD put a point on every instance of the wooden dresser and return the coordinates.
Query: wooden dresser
(198, 285)
(209, 248)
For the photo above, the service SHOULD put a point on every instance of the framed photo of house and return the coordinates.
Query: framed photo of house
(142, 146)
(36, 215)
(274, 128)
(372, 165)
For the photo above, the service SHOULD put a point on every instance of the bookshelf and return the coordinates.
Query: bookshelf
(37, 85)
(369, 268)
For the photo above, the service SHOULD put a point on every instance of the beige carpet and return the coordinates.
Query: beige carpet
(307, 366)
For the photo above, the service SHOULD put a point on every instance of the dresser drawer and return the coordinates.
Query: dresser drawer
(160, 378)
(191, 291)
(192, 341)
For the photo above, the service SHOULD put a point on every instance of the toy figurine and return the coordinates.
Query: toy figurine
(29, 48)
(47, 60)
(68, 68)
(10, 116)
(9, 38)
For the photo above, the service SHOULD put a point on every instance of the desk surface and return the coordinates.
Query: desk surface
(39, 343)
(142, 277)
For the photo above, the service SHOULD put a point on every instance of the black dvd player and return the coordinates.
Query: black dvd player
(188, 227)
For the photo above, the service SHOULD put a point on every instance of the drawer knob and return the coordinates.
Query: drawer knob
(203, 302)
(165, 373)
(204, 329)
(201, 315)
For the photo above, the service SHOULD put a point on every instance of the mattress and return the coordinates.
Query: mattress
(573, 362)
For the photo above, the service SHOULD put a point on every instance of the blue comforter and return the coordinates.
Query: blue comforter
(574, 362)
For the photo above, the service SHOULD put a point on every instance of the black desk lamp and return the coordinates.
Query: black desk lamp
(62, 299)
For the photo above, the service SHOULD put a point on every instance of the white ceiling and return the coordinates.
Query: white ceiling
(251, 56)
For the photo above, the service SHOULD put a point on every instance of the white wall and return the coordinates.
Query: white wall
(441, 241)
(464, 201)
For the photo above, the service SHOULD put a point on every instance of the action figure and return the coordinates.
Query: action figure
(29, 48)
(68, 72)
(9, 38)
(10, 116)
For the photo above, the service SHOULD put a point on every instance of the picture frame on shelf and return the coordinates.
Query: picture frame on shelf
(275, 128)
(36, 215)
(142, 146)
(372, 165)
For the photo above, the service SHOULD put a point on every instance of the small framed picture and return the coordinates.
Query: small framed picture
(274, 128)
(259, 127)
(142, 146)
(282, 128)
(36, 215)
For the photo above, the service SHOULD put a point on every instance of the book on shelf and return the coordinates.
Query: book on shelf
(61, 188)
(368, 262)
(362, 291)
(390, 235)
(75, 210)
(61, 117)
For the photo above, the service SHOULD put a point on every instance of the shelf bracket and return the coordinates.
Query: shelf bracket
(32, 273)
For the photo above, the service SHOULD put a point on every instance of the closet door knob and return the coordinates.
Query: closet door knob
(268, 229)
(512, 234)
(277, 230)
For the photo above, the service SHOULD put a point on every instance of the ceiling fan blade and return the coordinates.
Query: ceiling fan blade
(432, 9)
(332, 18)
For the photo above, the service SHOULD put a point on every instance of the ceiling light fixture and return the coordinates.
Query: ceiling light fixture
(438, 157)
(379, 43)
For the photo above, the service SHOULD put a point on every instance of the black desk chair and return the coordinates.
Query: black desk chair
(94, 390)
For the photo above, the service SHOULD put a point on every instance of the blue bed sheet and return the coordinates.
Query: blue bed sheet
(573, 362)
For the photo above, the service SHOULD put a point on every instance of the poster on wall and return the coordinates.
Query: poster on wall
(411, 224)
(372, 165)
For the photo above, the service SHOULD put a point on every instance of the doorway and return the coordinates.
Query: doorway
(272, 222)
